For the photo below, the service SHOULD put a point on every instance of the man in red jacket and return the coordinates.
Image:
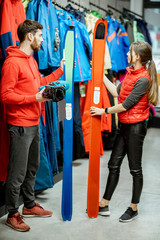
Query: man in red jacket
(20, 81)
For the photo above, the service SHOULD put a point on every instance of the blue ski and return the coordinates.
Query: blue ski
(68, 126)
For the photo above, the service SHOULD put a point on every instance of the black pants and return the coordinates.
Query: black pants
(128, 141)
(23, 166)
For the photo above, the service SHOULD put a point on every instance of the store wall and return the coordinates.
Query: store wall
(152, 17)
(102, 3)
(137, 6)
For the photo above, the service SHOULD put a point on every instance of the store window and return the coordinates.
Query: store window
(155, 35)
(154, 29)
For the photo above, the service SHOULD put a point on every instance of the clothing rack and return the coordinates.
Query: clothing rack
(108, 12)
(115, 9)
(97, 6)
(123, 14)
(129, 11)
(79, 5)
(58, 5)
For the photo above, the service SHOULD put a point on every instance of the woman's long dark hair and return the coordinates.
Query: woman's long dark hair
(144, 50)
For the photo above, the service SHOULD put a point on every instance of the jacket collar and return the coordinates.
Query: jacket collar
(133, 71)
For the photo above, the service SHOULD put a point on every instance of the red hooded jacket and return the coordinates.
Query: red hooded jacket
(140, 111)
(20, 81)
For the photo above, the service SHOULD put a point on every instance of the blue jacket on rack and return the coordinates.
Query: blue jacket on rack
(83, 51)
(118, 44)
(143, 26)
(80, 16)
(44, 12)
(44, 175)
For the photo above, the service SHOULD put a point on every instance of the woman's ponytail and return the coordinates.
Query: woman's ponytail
(144, 50)
(153, 89)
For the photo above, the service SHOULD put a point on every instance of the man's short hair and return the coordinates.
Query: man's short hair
(28, 26)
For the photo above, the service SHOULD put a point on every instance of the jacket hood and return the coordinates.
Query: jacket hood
(15, 1)
(13, 51)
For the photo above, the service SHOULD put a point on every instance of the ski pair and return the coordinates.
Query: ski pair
(99, 41)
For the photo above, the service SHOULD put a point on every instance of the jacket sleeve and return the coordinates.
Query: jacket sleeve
(52, 77)
(126, 43)
(86, 41)
(9, 78)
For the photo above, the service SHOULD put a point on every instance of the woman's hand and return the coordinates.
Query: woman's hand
(110, 86)
(96, 111)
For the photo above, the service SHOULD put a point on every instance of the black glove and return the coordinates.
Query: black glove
(54, 92)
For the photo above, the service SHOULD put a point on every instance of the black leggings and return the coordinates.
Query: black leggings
(128, 141)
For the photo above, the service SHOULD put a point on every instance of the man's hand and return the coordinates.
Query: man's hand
(96, 111)
(61, 64)
(40, 98)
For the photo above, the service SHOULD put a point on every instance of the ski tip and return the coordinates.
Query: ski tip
(65, 219)
(92, 215)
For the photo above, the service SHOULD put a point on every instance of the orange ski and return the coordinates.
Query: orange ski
(99, 42)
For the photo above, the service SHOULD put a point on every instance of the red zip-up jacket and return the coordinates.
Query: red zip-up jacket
(20, 81)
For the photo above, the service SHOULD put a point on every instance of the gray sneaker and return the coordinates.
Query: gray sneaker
(128, 215)
(104, 211)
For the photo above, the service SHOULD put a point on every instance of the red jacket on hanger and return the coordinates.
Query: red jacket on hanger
(11, 15)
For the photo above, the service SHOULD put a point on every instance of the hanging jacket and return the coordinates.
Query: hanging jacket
(138, 35)
(44, 175)
(32, 10)
(128, 25)
(140, 111)
(44, 12)
(11, 14)
(97, 14)
(19, 84)
(50, 137)
(48, 58)
(118, 44)
(25, 4)
(83, 48)
(4, 143)
(90, 24)
(80, 16)
(144, 29)
(106, 121)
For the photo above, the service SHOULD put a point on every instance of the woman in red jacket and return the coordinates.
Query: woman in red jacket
(138, 90)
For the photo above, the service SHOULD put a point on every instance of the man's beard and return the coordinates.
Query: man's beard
(35, 46)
